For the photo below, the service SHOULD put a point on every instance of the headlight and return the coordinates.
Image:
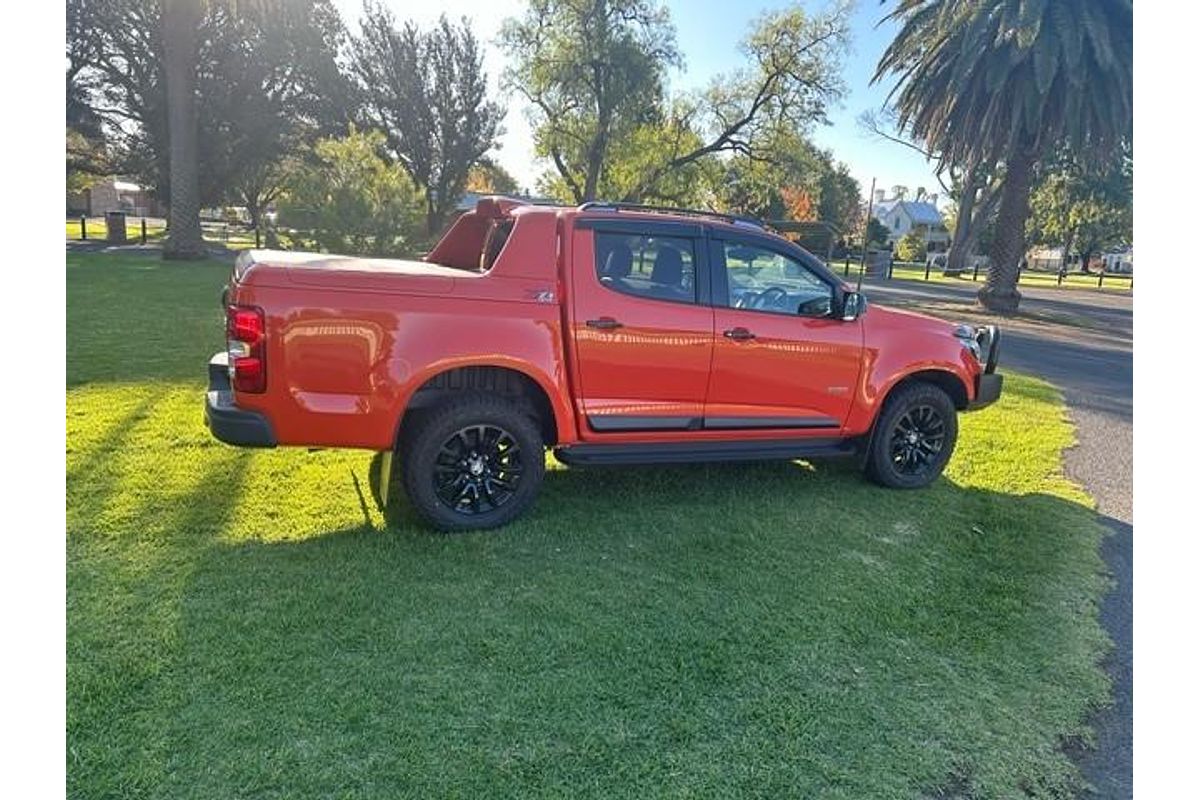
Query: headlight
(967, 335)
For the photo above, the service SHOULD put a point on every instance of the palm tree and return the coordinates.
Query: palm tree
(181, 24)
(986, 81)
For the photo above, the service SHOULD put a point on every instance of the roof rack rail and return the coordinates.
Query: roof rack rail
(732, 219)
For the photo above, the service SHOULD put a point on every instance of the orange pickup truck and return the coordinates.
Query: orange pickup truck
(611, 333)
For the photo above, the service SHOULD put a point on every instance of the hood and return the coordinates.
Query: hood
(910, 320)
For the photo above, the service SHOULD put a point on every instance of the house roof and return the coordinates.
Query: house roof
(922, 213)
(883, 207)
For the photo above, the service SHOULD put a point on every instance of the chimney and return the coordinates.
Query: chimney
(920, 193)
(933, 199)
(880, 194)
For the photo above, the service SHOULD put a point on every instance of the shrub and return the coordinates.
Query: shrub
(911, 247)
(350, 200)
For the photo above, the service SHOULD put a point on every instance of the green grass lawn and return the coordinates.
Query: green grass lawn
(97, 229)
(1045, 280)
(248, 624)
(156, 231)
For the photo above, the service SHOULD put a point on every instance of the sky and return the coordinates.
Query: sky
(708, 34)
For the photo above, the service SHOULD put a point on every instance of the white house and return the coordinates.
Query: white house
(901, 217)
(1118, 260)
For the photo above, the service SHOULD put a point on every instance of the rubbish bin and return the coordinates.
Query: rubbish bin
(878, 262)
(115, 222)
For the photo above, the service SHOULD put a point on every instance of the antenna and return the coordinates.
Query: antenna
(866, 227)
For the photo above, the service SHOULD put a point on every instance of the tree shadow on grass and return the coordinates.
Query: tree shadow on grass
(128, 566)
(133, 319)
(762, 629)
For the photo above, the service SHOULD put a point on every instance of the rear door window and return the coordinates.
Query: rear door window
(653, 267)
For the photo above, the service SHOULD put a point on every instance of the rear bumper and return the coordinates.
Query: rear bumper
(227, 422)
(987, 390)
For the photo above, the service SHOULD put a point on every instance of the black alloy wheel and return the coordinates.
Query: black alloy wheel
(913, 437)
(472, 461)
(478, 469)
(917, 439)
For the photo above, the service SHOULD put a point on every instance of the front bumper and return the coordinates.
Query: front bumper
(988, 385)
(987, 390)
(227, 422)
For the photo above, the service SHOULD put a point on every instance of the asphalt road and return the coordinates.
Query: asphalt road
(1092, 362)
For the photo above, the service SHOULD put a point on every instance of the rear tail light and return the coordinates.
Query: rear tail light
(245, 334)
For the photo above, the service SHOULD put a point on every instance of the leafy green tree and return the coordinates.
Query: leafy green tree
(785, 163)
(274, 89)
(992, 81)
(427, 91)
(841, 198)
(787, 167)
(353, 201)
(87, 150)
(877, 233)
(265, 81)
(1083, 209)
(488, 177)
(911, 247)
(594, 72)
(794, 72)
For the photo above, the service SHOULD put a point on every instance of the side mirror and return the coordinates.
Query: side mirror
(853, 304)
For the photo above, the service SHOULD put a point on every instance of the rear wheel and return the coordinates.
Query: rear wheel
(475, 462)
(914, 437)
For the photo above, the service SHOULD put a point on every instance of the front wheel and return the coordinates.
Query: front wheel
(914, 438)
(475, 462)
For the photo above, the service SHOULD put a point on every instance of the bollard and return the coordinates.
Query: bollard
(1100, 283)
(143, 230)
(1060, 277)
(83, 227)
(257, 238)
(975, 275)
(927, 269)
(891, 266)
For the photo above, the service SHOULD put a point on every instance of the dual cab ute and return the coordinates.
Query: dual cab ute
(613, 334)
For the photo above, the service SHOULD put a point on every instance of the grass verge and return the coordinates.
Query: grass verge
(248, 624)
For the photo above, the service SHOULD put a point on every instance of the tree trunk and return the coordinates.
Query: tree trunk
(999, 293)
(1085, 257)
(596, 154)
(255, 207)
(181, 22)
(433, 219)
(1068, 243)
(956, 259)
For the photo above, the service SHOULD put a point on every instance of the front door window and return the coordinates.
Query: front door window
(764, 280)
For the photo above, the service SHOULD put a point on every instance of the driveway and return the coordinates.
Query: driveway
(1092, 362)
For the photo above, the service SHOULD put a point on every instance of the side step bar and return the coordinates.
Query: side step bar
(700, 452)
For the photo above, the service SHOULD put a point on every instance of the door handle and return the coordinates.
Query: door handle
(603, 324)
(739, 334)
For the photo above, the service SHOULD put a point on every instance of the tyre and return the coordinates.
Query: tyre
(913, 438)
(474, 462)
